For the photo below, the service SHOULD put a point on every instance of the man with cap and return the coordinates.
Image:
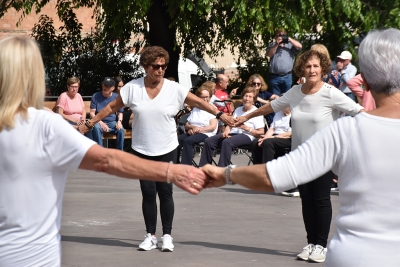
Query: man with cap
(347, 71)
(112, 123)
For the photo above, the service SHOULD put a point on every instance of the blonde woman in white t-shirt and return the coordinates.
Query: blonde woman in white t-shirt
(200, 125)
(38, 149)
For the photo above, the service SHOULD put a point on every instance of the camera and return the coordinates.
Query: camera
(285, 38)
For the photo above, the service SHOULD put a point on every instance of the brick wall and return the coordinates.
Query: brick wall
(9, 20)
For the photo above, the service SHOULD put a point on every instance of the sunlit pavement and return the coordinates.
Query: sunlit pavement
(102, 225)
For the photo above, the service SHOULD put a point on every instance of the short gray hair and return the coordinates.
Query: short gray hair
(379, 56)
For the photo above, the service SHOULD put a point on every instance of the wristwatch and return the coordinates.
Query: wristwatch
(219, 114)
(228, 174)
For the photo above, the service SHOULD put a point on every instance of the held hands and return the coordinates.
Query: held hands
(239, 120)
(228, 120)
(83, 129)
(215, 175)
(188, 178)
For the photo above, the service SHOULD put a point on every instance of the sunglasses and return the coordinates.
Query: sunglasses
(157, 66)
(256, 84)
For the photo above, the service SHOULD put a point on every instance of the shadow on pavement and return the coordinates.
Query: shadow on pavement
(97, 241)
(242, 248)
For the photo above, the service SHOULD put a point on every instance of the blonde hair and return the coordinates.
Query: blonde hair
(264, 86)
(22, 79)
(322, 49)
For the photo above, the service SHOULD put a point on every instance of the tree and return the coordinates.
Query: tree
(209, 26)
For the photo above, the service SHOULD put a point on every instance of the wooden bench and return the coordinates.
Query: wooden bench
(52, 105)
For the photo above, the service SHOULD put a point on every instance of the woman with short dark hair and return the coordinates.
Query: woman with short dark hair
(155, 101)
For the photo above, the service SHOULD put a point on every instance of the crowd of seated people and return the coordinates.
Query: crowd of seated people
(233, 137)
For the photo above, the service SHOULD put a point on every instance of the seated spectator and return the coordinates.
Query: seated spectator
(222, 95)
(232, 138)
(110, 123)
(277, 137)
(119, 84)
(70, 104)
(263, 96)
(200, 125)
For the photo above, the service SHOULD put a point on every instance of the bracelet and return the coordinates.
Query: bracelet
(89, 124)
(169, 165)
(228, 174)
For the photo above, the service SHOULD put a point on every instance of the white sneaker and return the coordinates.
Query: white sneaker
(149, 243)
(318, 254)
(167, 243)
(305, 254)
(291, 193)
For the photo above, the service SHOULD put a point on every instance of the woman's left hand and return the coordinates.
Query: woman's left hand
(188, 178)
(118, 125)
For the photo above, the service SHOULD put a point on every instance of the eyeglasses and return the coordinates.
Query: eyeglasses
(256, 84)
(73, 87)
(157, 66)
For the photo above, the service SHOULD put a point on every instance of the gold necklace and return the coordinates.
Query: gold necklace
(149, 84)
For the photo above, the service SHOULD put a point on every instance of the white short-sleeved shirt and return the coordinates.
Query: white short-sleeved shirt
(281, 123)
(363, 151)
(253, 123)
(311, 113)
(201, 118)
(154, 127)
(35, 158)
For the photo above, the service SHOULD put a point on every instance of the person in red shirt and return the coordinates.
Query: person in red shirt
(221, 93)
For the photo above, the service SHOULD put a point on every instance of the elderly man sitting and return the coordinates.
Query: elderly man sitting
(110, 123)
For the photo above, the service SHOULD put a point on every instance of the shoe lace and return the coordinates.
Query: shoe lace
(318, 249)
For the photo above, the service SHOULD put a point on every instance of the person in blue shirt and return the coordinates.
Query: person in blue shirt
(113, 122)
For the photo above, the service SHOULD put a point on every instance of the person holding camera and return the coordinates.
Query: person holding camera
(281, 54)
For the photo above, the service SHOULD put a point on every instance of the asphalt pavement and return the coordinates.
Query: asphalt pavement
(102, 225)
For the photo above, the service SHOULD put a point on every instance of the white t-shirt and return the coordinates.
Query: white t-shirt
(253, 123)
(35, 158)
(363, 151)
(201, 118)
(281, 123)
(311, 113)
(154, 127)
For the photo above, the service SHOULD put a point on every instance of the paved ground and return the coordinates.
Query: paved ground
(102, 225)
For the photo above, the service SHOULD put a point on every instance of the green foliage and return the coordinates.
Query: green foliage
(67, 53)
(210, 26)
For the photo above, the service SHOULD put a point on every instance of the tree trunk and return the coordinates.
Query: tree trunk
(161, 33)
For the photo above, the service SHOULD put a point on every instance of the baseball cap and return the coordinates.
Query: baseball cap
(345, 55)
(109, 82)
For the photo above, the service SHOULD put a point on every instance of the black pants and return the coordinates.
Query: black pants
(149, 193)
(317, 208)
(227, 146)
(187, 141)
(269, 149)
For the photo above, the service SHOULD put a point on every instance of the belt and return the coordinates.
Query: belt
(283, 74)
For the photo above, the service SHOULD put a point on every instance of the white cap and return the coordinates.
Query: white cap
(345, 55)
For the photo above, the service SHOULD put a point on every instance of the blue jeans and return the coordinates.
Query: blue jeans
(97, 134)
(280, 84)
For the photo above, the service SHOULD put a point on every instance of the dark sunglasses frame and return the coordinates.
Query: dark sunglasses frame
(253, 84)
(157, 66)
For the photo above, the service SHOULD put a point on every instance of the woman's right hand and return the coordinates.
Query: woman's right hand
(225, 135)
